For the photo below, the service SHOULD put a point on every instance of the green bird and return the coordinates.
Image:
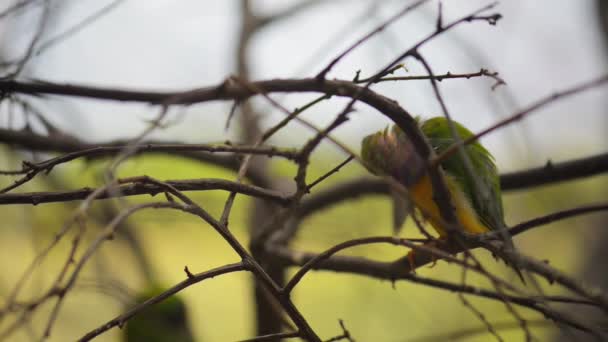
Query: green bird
(164, 321)
(475, 196)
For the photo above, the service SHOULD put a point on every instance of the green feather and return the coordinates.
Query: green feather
(482, 185)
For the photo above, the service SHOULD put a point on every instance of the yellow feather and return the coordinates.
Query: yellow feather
(422, 195)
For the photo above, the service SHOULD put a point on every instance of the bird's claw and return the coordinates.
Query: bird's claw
(412, 261)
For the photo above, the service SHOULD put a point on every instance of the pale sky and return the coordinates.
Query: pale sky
(538, 47)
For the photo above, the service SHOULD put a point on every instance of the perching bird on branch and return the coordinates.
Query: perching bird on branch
(475, 196)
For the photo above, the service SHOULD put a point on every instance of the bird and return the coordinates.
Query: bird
(475, 196)
(163, 321)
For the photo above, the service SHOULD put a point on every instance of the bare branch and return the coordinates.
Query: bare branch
(560, 215)
(438, 78)
(329, 173)
(555, 172)
(145, 189)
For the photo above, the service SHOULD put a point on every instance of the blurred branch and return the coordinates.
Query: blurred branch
(20, 5)
(299, 7)
(552, 173)
(321, 75)
(338, 193)
(78, 27)
(470, 332)
(267, 319)
(526, 111)
(190, 280)
(185, 204)
(272, 337)
(29, 52)
(560, 215)
(64, 143)
(138, 188)
(101, 151)
(30, 170)
(555, 172)
(66, 278)
(267, 260)
(399, 270)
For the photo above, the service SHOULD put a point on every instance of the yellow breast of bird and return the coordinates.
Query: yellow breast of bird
(422, 196)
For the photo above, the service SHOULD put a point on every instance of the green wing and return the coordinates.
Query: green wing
(486, 200)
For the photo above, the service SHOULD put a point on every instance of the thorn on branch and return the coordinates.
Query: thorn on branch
(439, 25)
(345, 334)
(36, 200)
(188, 273)
(169, 197)
(490, 19)
(220, 89)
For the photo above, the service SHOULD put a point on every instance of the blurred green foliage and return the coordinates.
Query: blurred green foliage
(221, 308)
(164, 321)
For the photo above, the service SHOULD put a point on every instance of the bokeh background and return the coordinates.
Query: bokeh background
(538, 47)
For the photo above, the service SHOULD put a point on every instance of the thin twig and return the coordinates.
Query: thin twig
(78, 27)
(524, 112)
(360, 41)
(329, 173)
(560, 215)
(272, 337)
(470, 332)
